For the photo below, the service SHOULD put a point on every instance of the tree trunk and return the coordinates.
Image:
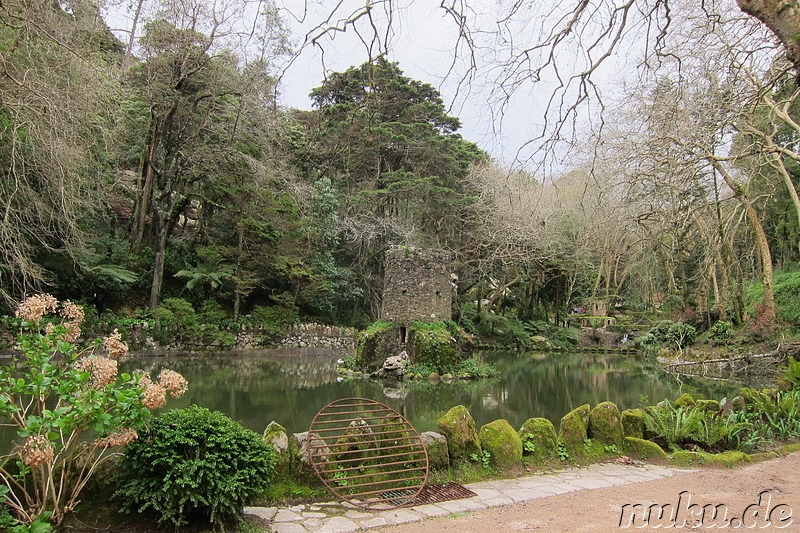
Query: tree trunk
(782, 17)
(158, 261)
(761, 240)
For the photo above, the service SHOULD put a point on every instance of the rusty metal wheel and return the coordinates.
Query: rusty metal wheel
(367, 453)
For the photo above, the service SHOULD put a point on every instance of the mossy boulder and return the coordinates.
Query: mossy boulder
(436, 445)
(605, 426)
(458, 427)
(714, 460)
(789, 448)
(572, 432)
(275, 435)
(438, 345)
(761, 456)
(539, 440)
(503, 444)
(373, 345)
(633, 423)
(687, 458)
(686, 400)
(726, 459)
(708, 405)
(356, 438)
(299, 462)
(644, 449)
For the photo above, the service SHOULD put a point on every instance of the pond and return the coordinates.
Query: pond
(290, 389)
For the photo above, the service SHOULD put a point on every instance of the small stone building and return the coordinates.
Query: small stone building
(417, 287)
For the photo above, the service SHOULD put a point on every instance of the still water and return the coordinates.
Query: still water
(257, 389)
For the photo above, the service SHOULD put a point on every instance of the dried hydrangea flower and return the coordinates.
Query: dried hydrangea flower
(103, 370)
(72, 311)
(115, 345)
(34, 308)
(155, 395)
(173, 382)
(37, 451)
(120, 438)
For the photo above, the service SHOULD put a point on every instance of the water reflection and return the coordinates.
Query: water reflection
(291, 389)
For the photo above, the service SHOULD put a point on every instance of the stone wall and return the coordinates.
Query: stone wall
(417, 286)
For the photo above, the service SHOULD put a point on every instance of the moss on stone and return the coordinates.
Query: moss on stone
(714, 460)
(437, 345)
(726, 459)
(539, 440)
(573, 431)
(436, 446)
(633, 423)
(686, 400)
(687, 458)
(373, 345)
(707, 405)
(645, 450)
(503, 444)
(275, 435)
(789, 448)
(762, 456)
(458, 427)
(605, 426)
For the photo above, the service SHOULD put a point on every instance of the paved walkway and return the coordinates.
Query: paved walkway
(332, 517)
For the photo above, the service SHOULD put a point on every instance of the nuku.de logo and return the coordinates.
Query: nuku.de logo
(684, 513)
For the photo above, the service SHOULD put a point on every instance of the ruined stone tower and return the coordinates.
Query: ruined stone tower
(416, 287)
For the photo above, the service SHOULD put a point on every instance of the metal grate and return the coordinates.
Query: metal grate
(367, 453)
(440, 492)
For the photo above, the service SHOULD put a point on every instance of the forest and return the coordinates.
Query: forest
(166, 169)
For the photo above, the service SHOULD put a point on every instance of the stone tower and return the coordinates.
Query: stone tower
(417, 287)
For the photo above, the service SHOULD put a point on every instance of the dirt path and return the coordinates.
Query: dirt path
(760, 497)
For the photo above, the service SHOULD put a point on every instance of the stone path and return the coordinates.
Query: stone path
(332, 517)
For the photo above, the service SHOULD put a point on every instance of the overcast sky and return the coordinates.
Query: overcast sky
(422, 41)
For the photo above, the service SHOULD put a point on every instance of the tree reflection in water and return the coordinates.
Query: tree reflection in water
(290, 389)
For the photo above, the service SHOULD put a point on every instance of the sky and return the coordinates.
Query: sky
(422, 41)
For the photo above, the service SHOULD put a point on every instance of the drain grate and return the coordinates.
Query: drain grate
(432, 493)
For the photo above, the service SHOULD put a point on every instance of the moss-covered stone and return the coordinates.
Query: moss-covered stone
(789, 448)
(436, 445)
(686, 400)
(687, 458)
(458, 427)
(275, 435)
(373, 345)
(605, 426)
(707, 405)
(503, 444)
(300, 464)
(573, 431)
(726, 459)
(437, 345)
(762, 456)
(713, 460)
(356, 438)
(633, 423)
(539, 440)
(644, 449)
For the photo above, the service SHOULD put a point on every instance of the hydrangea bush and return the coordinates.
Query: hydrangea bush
(71, 409)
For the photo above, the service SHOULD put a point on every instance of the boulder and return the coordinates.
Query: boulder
(572, 432)
(275, 435)
(539, 440)
(644, 449)
(503, 444)
(633, 423)
(458, 427)
(395, 367)
(436, 445)
(605, 426)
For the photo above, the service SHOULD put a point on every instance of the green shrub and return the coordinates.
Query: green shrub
(176, 313)
(681, 335)
(721, 332)
(194, 464)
